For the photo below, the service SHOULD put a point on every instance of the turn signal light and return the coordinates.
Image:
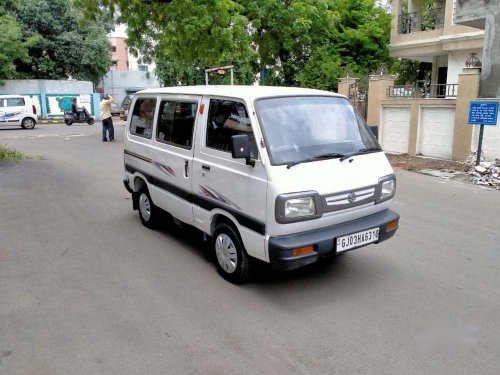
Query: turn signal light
(391, 226)
(302, 251)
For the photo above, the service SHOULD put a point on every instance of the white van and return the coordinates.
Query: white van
(284, 175)
(17, 110)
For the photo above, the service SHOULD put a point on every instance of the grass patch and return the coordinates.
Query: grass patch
(9, 154)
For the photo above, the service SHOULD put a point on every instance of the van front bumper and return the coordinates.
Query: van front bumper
(324, 240)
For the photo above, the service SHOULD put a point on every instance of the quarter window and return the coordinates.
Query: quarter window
(225, 119)
(176, 122)
(15, 102)
(141, 123)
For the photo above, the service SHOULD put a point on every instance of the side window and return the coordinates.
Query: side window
(141, 122)
(1, 103)
(225, 119)
(176, 122)
(15, 102)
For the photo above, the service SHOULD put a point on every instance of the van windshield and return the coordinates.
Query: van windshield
(306, 128)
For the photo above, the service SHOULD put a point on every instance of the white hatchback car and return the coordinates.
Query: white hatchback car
(17, 110)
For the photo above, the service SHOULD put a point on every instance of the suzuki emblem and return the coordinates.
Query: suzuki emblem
(351, 198)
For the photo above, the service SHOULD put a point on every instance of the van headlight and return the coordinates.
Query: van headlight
(298, 206)
(387, 188)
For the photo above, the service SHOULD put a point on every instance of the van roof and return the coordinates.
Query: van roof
(246, 92)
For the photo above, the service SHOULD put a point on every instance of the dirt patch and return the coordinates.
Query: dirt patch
(418, 163)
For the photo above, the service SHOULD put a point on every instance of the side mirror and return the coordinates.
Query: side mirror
(374, 130)
(241, 148)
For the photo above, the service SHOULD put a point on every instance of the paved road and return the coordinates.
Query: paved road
(86, 289)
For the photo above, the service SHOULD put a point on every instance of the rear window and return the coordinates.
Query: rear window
(15, 102)
(141, 123)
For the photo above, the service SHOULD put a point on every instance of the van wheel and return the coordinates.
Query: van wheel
(148, 212)
(28, 123)
(233, 262)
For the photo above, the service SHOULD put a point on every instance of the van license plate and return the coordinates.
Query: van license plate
(357, 239)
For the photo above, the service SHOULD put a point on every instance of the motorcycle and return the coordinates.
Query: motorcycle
(83, 116)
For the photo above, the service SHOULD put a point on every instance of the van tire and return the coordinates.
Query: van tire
(28, 123)
(233, 262)
(148, 212)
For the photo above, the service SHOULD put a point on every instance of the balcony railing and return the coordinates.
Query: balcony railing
(429, 19)
(423, 92)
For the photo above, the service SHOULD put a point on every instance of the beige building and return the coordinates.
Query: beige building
(433, 120)
(426, 31)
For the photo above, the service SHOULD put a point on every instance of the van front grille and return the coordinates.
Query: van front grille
(350, 198)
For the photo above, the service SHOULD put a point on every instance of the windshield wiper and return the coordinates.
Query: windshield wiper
(360, 151)
(329, 155)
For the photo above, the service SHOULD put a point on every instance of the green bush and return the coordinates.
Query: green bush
(8, 154)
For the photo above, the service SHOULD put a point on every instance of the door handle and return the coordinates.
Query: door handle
(205, 167)
(186, 168)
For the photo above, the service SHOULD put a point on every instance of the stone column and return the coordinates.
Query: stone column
(415, 9)
(378, 87)
(344, 84)
(468, 89)
(490, 80)
(396, 11)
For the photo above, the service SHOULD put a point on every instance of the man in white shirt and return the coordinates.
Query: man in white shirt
(107, 121)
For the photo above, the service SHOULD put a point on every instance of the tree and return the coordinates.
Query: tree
(12, 46)
(297, 42)
(66, 46)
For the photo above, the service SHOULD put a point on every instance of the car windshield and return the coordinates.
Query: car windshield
(303, 128)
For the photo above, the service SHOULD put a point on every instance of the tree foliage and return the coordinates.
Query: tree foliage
(294, 42)
(61, 44)
(13, 46)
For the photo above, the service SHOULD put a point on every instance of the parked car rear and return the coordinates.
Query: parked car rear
(17, 110)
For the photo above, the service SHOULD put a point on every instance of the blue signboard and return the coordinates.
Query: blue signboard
(483, 113)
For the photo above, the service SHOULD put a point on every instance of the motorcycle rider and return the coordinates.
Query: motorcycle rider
(76, 110)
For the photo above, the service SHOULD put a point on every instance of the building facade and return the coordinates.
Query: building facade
(119, 53)
(127, 74)
(485, 14)
(427, 31)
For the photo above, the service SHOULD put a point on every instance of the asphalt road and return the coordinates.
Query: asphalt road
(86, 289)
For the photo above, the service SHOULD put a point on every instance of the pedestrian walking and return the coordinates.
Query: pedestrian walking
(107, 121)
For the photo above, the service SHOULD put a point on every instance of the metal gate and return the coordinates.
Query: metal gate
(358, 95)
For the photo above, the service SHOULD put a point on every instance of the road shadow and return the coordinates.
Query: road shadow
(358, 267)
(14, 127)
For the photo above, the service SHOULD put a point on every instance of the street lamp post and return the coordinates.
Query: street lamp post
(220, 70)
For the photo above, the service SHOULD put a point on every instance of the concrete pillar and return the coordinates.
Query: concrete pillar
(490, 87)
(378, 87)
(43, 99)
(415, 6)
(468, 89)
(396, 11)
(413, 133)
(344, 84)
